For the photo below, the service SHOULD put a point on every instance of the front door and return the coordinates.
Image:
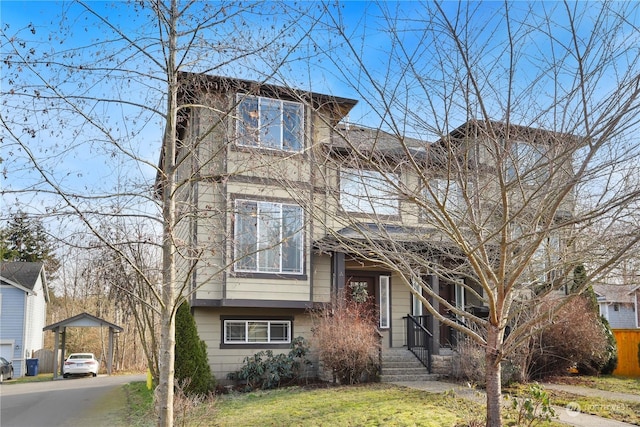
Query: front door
(362, 289)
(454, 293)
(447, 294)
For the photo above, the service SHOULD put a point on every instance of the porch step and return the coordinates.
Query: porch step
(399, 364)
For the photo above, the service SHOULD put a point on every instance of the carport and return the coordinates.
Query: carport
(83, 320)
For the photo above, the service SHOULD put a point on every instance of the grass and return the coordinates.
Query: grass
(620, 411)
(31, 379)
(139, 411)
(628, 412)
(365, 405)
(605, 382)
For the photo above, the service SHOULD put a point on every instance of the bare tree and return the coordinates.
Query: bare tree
(81, 109)
(501, 155)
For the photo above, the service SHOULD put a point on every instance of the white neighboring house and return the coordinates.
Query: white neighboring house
(23, 303)
(619, 305)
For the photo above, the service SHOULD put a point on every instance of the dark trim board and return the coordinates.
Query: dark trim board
(250, 303)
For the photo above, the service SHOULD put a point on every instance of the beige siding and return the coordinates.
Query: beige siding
(400, 307)
(225, 360)
(268, 289)
(321, 278)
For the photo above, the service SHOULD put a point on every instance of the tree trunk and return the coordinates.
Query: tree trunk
(493, 378)
(166, 361)
(164, 402)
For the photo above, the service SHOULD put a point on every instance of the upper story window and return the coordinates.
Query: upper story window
(446, 192)
(270, 123)
(527, 162)
(545, 263)
(367, 191)
(268, 237)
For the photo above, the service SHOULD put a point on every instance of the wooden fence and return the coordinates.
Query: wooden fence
(45, 360)
(628, 341)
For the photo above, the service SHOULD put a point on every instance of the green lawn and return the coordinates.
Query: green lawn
(605, 382)
(608, 408)
(365, 405)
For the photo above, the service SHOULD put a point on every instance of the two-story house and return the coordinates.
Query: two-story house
(266, 177)
(23, 302)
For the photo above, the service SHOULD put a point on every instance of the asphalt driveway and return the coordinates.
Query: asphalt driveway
(70, 402)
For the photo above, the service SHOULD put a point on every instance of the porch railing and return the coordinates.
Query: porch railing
(419, 339)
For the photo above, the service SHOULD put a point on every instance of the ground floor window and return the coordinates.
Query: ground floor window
(257, 331)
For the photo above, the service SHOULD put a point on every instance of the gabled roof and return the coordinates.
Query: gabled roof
(82, 320)
(370, 140)
(478, 128)
(191, 83)
(24, 275)
(615, 293)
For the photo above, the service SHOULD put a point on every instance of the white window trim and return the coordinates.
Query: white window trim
(385, 306)
(416, 303)
(258, 142)
(246, 334)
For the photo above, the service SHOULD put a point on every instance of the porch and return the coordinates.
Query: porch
(416, 360)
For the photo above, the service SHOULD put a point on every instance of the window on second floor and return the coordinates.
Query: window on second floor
(527, 162)
(268, 237)
(545, 264)
(367, 191)
(270, 123)
(447, 192)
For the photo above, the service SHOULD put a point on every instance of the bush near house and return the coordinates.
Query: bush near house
(575, 338)
(611, 358)
(192, 370)
(346, 337)
(264, 370)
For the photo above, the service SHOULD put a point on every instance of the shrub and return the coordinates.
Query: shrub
(575, 338)
(611, 356)
(266, 371)
(534, 408)
(192, 370)
(469, 364)
(346, 337)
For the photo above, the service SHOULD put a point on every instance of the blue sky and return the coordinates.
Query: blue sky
(81, 159)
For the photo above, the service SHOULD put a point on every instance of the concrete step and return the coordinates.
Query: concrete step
(401, 365)
(408, 377)
(417, 370)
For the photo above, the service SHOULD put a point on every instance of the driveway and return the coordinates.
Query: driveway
(69, 403)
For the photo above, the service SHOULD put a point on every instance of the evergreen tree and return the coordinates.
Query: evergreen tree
(610, 362)
(191, 367)
(25, 239)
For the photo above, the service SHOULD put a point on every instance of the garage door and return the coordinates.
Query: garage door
(6, 351)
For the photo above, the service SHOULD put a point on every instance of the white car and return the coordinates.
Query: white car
(80, 364)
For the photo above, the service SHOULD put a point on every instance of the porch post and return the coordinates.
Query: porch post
(338, 271)
(56, 346)
(64, 345)
(435, 324)
(110, 360)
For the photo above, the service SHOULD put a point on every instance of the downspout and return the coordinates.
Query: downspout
(21, 346)
(635, 306)
(312, 175)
